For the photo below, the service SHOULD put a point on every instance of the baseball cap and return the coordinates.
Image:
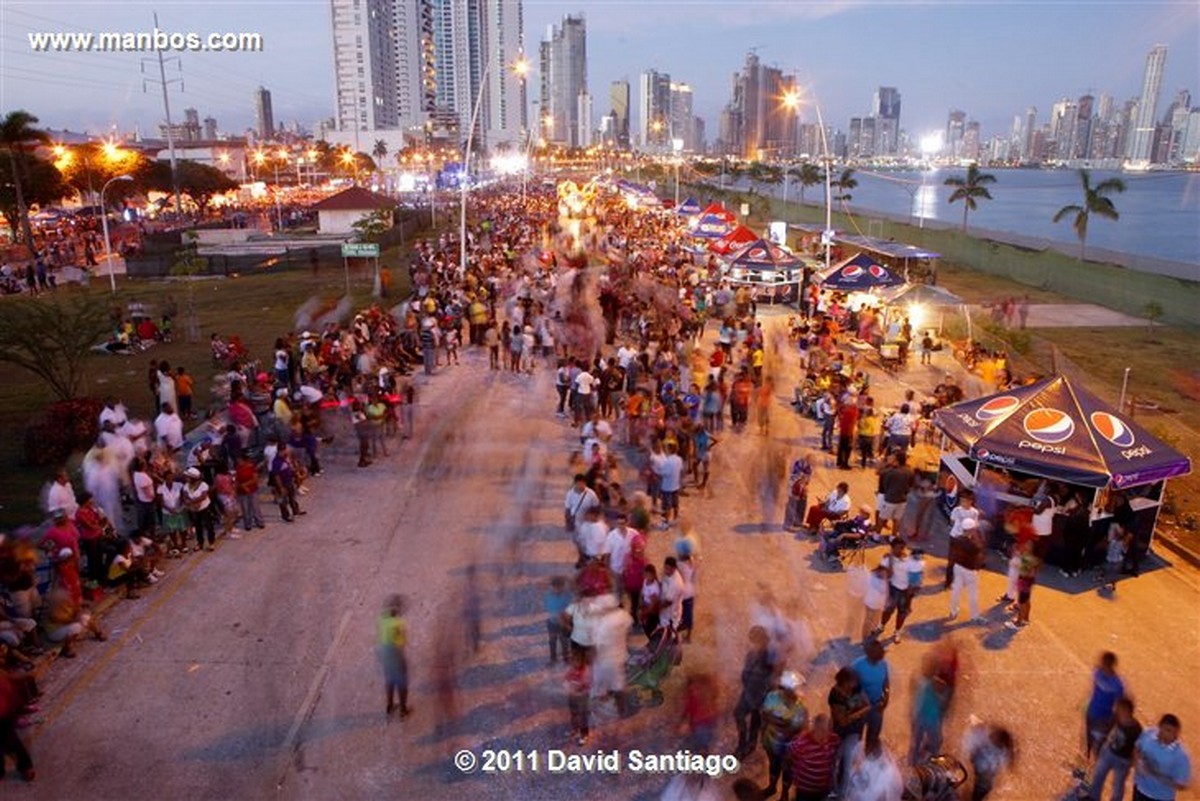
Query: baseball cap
(791, 680)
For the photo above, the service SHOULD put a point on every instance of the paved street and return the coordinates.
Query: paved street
(249, 673)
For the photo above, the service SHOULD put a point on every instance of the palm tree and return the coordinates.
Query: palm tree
(845, 182)
(380, 150)
(970, 189)
(1095, 201)
(16, 134)
(807, 174)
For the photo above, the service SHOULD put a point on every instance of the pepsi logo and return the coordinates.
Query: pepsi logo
(852, 271)
(877, 271)
(1112, 428)
(997, 407)
(1049, 425)
(983, 453)
(757, 253)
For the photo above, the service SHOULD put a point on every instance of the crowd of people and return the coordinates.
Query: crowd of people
(655, 362)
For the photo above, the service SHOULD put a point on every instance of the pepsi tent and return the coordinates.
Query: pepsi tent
(733, 240)
(859, 273)
(688, 207)
(1057, 430)
(710, 226)
(763, 255)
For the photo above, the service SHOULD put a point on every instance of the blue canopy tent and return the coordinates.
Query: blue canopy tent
(1054, 429)
(689, 207)
(765, 264)
(711, 226)
(859, 273)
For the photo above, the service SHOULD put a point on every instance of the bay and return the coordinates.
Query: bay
(1160, 211)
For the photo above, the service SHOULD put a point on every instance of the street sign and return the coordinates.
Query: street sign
(360, 250)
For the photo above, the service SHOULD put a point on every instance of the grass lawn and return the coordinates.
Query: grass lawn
(257, 308)
(976, 287)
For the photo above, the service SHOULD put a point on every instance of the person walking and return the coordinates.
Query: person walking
(930, 699)
(578, 682)
(1116, 753)
(1163, 767)
(966, 571)
(758, 670)
(848, 709)
(965, 510)
(810, 762)
(874, 678)
(555, 602)
(1107, 688)
(900, 593)
(783, 717)
(391, 639)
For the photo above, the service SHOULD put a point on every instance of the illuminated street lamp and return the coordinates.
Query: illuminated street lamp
(791, 100)
(112, 280)
(520, 68)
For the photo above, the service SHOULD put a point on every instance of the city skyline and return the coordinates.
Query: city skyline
(625, 41)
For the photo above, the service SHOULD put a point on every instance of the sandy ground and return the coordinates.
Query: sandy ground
(249, 673)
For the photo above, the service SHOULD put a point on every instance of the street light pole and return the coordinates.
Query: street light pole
(464, 178)
(827, 235)
(112, 279)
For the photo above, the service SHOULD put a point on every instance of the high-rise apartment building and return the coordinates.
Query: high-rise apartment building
(682, 120)
(564, 56)
(756, 124)
(210, 128)
(886, 110)
(405, 64)
(1030, 130)
(654, 110)
(955, 125)
(618, 101)
(1142, 141)
(264, 117)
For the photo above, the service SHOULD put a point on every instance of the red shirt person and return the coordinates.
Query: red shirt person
(62, 542)
(810, 760)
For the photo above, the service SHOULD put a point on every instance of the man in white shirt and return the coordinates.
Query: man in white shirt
(591, 535)
(168, 428)
(671, 597)
(580, 498)
(616, 550)
(965, 510)
(625, 355)
(585, 401)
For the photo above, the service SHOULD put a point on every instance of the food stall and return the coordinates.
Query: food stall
(766, 268)
(1053, 437)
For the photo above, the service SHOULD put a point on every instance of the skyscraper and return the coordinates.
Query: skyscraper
(654, 109)
(380, 50)
(210, 128)
(264, 117)
(1030, 130)
(1142, 141)
(408, 63)
(618, 100)
(955, 125)
(886, 110)
(756, 124)
(565, 53)
(682, 120)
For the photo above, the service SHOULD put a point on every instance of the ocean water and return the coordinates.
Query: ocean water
(1160, 211)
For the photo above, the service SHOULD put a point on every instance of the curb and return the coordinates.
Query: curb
(1180, 550)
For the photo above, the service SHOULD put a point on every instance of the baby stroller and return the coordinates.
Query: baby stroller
(938, 779)
(647, 668)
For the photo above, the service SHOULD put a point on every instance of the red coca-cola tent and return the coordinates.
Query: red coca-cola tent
(733, 240)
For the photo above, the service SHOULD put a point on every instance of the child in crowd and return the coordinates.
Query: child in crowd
(579, 686)
(875, 599)
(555, 602)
